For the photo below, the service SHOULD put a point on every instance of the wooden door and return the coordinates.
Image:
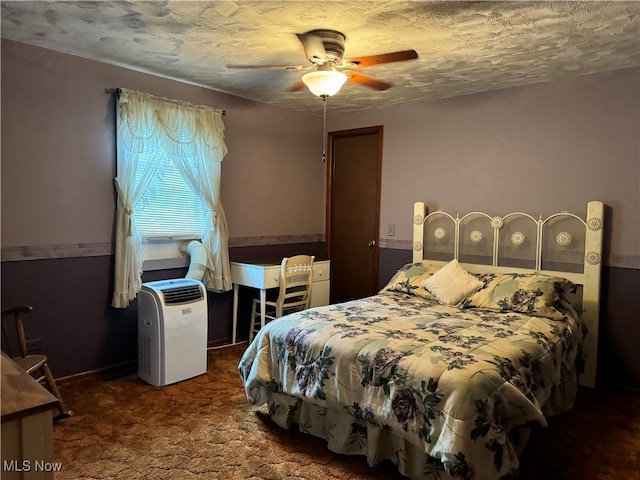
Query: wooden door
(353, 211)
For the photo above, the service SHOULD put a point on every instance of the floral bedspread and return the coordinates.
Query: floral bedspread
(452, 382)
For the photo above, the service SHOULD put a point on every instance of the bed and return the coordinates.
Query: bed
(483, 336)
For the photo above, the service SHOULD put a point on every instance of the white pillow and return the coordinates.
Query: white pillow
(451, 283)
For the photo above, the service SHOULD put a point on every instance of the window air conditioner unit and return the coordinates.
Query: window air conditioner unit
(172, 331)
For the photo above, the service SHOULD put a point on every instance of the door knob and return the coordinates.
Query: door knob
(372, 243)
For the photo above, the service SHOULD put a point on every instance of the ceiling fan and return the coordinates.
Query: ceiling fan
(328, 71)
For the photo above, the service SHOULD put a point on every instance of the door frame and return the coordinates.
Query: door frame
(379, 131)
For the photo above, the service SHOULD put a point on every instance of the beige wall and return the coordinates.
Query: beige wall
(58, 153)
(539, 149)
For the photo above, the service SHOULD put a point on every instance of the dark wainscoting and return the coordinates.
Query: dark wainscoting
(619, 348)
(73, 317)
(80, 331)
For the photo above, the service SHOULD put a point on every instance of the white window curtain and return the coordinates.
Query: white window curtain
(156, 126)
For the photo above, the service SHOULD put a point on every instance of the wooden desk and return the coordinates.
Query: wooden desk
(27, 425)
(266, 275)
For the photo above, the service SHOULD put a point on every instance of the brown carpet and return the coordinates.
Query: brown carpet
(204, 428)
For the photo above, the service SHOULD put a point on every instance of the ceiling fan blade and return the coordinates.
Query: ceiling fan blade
(383, 58)
(367, 81)
(313, 47)
(270, 67)
(296, 87)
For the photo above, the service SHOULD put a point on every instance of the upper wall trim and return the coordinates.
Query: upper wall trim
(275, 240)
(44, 252)
(616, 261)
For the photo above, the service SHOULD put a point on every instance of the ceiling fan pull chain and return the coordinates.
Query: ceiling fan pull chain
(324, 128)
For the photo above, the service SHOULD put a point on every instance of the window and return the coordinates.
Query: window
(173, 210)
(170, 213)
(169, 156)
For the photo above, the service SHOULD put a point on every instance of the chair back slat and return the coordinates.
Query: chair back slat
(6, 342)
(12, 320)
(296, 279)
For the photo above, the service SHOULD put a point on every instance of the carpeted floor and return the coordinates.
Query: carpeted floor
(205, 429)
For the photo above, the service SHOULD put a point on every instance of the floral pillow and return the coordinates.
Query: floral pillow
(409, 280)
(534, 294)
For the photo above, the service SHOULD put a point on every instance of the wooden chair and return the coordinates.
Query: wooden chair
(35, 365)
(294, 291)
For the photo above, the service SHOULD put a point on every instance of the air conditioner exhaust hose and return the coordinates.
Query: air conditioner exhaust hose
(198, 262)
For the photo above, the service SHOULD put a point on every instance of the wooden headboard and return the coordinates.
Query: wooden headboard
(563, 244)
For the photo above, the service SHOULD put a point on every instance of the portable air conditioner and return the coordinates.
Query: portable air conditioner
(172, 331)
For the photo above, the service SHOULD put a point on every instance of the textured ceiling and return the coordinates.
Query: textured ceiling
(463, 47)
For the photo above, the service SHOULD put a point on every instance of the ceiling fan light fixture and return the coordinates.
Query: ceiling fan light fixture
(324, 83)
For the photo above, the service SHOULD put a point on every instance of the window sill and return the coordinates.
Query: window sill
(165, 263)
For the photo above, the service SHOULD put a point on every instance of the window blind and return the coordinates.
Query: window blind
(174, 210)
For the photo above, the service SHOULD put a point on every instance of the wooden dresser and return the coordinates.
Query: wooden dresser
(27, 426)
